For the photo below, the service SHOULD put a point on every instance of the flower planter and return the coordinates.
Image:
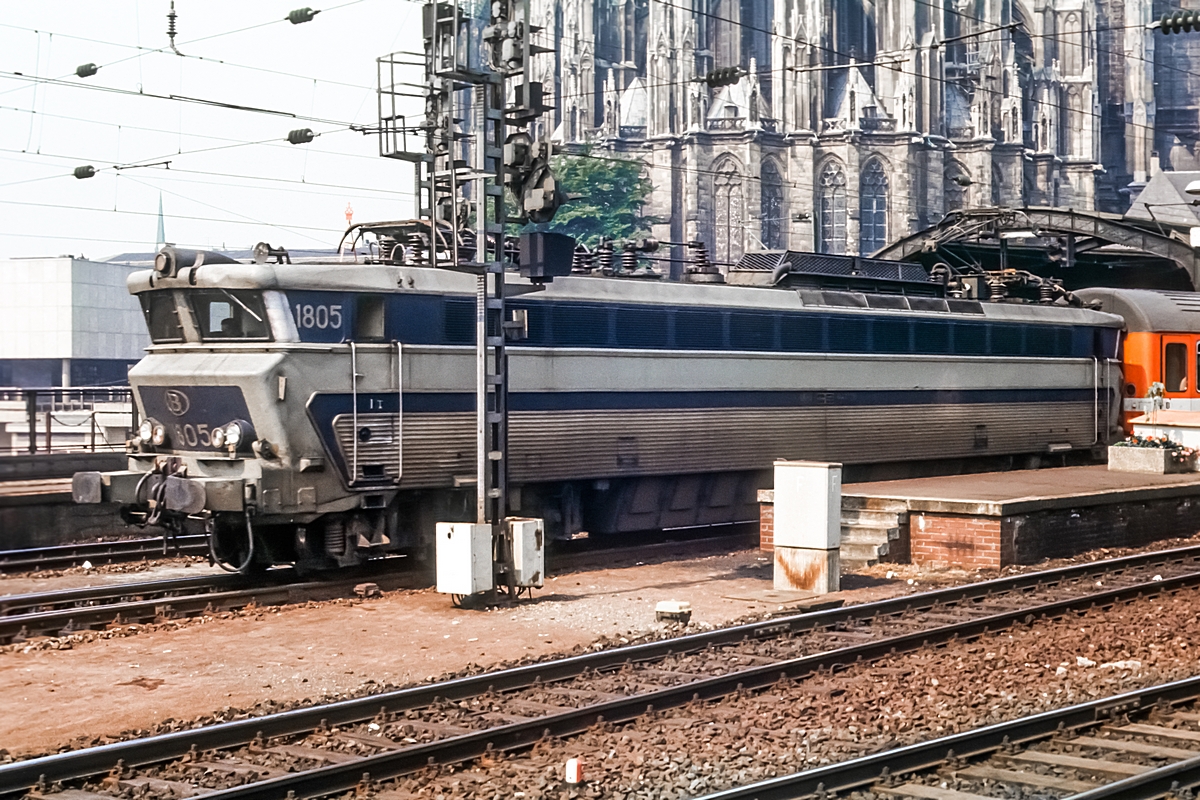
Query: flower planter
(1155, 460)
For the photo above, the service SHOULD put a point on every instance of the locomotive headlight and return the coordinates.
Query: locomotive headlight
(218, 438)
(146, 431)
(233, 434)
(158, 434)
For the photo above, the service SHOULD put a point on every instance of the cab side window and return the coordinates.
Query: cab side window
(1175, 367)
(230, 314)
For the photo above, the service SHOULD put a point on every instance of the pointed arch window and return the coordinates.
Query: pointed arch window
(832, 209)
(872, 208)
(772, 206)
(728, 227)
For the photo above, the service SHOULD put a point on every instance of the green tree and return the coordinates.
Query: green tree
(608, 193)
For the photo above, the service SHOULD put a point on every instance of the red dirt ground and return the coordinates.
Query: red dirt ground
(53, 697)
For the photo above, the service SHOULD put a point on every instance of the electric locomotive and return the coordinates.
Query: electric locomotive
(322, 413)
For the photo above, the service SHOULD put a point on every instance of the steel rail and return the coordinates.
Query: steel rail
(137, 602)
(117, 591)
(322, 781)
(101, 552)
(48, 612)
(20, 776)
(1160, 782)
(70, 620)
(859, 772)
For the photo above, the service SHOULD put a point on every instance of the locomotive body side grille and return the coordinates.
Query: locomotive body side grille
(378, 451)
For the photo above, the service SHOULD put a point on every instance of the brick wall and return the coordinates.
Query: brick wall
(766, 526)
(1067, 531)
(959, 539)
(979, 542)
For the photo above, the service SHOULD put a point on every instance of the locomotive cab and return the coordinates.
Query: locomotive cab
(239, 429)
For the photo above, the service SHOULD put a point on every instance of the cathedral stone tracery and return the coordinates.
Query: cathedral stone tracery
(861, 121)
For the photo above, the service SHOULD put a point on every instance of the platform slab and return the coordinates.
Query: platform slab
(991, 520)
(1023, 491)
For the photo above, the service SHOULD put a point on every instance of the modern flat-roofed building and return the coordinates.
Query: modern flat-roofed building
(67, 321)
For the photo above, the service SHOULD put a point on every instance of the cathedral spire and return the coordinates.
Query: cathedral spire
(162, 228)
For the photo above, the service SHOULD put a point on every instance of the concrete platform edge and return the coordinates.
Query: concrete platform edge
(1024, 505)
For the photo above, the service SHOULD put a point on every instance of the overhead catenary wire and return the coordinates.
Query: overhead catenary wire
(175, 172)
(793, 183)
(168, 49)
(190, 134)
(26, 203)
(173, 98)
(160, 160)
(291, 229)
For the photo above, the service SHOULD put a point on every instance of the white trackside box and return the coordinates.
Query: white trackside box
(808, 505)
(464, 558)
(528, 549)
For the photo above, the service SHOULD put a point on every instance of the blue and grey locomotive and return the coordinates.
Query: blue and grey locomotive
(321, 413)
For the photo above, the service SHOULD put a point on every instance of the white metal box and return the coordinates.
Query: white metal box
(528, 549)
(808, 505)
(464, 558)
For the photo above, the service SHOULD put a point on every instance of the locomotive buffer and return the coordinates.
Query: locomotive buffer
(463, 201)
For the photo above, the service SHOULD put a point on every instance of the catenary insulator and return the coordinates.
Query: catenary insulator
(629, 259)
(85, 172)
(301, 136)
(86, 70)
(605, 256)
(300, 15)
(417, 245)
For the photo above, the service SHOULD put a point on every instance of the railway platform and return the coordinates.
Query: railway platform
(997, 519)
(36, 509)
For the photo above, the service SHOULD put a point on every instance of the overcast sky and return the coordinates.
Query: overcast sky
(290, 195)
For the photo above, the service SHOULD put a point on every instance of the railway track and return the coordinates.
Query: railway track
(114, 552)
(24, 616)
(1141, 745)
(321, 750)
(54, 613)
(645, 544)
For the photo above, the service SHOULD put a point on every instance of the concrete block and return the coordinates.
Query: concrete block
(1151, 460)
(807, 570)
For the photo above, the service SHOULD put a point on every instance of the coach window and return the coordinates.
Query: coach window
(1175, 367)
(1197, 389)
(230, 315)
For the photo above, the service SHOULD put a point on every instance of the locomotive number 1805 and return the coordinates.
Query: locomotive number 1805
(318, 316)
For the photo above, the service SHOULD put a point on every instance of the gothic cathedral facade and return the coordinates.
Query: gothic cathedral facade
(857, 122)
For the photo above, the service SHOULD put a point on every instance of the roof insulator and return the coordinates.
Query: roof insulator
(86, 70)
(301, 136)
(300, 15)
(85, 172)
